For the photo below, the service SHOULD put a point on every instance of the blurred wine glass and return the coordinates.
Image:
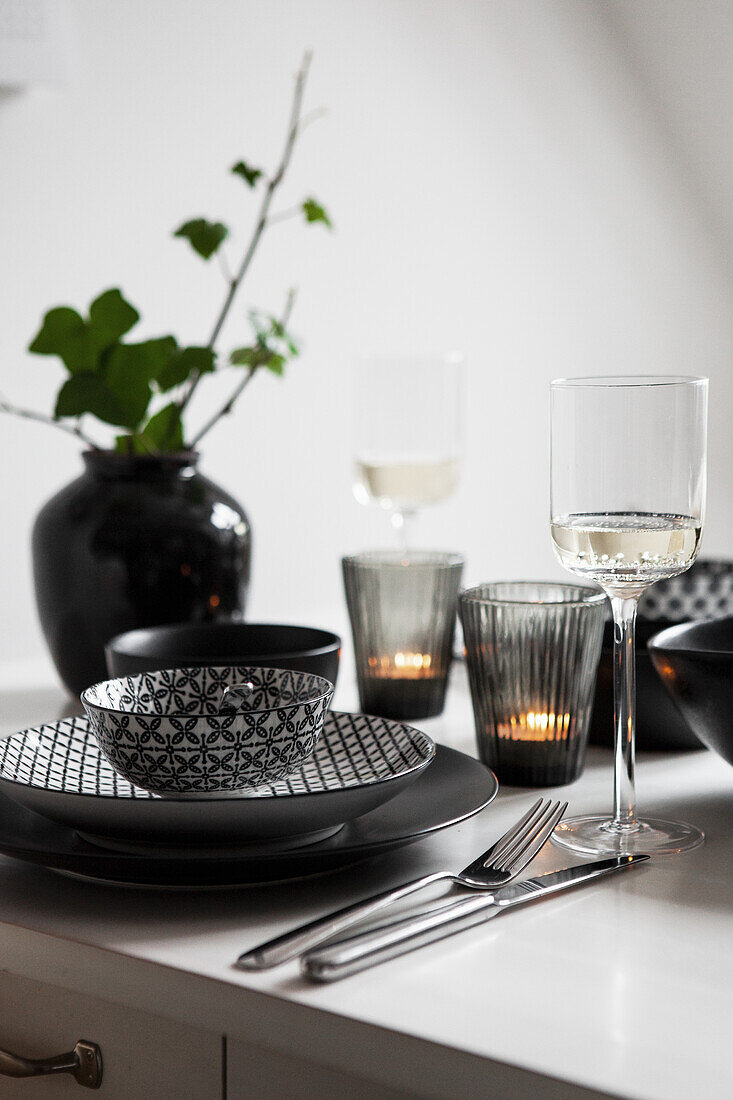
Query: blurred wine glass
(407, 434)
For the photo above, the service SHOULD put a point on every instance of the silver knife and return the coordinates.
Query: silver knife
(341, 958)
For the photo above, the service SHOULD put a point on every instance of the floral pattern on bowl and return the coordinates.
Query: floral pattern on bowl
(166, 731)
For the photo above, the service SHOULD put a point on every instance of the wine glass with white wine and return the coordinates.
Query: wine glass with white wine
(628, 475)
(407, 434)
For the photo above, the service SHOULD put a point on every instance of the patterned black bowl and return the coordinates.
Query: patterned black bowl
(186, 645)
(695, 663)
(172, 733)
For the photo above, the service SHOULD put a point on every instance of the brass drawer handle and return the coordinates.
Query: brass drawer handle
(84, 1063)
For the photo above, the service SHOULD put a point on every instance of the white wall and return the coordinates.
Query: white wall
(544, 185)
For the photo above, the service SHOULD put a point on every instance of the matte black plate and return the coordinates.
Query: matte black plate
(454, 787)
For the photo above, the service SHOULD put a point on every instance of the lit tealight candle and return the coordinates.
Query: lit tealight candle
(536, 726)
(403, 666)
(407, 684)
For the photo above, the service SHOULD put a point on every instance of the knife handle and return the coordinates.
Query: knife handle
(293, 943)
(342, 958)
(339, 960)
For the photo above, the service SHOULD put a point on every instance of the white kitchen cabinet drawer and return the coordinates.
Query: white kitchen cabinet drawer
(144, 1056)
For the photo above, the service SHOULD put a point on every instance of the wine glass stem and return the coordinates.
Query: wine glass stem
(404, 523)
(624, 711)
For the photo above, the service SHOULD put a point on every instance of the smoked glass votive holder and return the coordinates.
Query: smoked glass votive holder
(402, 607)
(532, 652)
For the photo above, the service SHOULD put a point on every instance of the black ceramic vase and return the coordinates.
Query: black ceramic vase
(135, 541)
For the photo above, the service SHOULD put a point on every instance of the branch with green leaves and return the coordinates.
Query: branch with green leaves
(145, 388)
(272, 348)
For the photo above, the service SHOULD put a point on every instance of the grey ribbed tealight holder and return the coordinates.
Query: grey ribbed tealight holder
(532, 652)
(402, 607)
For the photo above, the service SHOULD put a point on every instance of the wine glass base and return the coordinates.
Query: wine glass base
(596, 834)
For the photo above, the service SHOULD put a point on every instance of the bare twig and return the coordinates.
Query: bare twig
(284, 215)
(311, 117)
(272, 185)
(29, 414)
(242, 385)
(224, 264)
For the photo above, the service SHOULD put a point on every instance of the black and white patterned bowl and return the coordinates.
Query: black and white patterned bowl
(167, 732)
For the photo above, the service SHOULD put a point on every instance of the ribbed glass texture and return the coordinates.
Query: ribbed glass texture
(532, 652)
(402, 607)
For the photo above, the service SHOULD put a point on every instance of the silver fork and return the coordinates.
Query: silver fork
(503, 861)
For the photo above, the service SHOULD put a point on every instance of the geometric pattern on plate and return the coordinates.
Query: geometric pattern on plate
(354, 750)
(167, 730)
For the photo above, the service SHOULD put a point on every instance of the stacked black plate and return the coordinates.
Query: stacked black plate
(372, 785)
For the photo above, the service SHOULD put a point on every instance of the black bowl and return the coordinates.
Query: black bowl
(695, 663)
(704, 592)
(267, 645)
(659, 724)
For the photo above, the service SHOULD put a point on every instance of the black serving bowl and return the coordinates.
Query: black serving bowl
(704, 592)
(695, 664)
(659, 724)
(186, 645)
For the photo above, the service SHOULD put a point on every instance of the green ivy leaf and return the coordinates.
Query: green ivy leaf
(59, 325)
(128, 371)
(260, 322)
(158, 353)
(110, 317)
(185, 363)
(87, 393)
(273, 348)
(275, 363)
(144, 361)
(247, 357)
(249, 175)
(131, 444)
(65, 333)
(314, 212)
(271, 331)
(164, 431)
(79, 343)
(204, 236)
(258, 356)
(278, 330)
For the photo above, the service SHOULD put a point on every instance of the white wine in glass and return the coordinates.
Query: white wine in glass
(626, 550)
(403, 484)
(407, 434)
(628, 473)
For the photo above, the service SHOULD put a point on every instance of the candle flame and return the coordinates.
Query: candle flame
(412, 660)
(409, 665)
(535, 726)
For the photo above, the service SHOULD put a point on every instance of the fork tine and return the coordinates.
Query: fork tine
(525, 837)
(516, 838)
(530, 851)
(528, 836)
(499, 848)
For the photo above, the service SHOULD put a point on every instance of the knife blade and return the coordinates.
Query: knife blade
(341, 958)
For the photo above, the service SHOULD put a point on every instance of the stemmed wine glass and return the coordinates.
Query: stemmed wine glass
(627, 507)
(407, 433)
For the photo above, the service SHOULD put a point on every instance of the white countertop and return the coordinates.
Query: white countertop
(624, 987)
